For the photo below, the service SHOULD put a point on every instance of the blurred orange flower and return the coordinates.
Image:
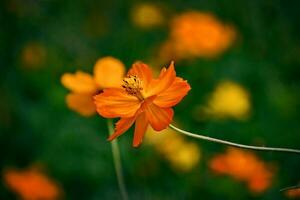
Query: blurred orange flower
(108, 73)
(181, 154)
(293, 194)
(33, 55)
(197, 34)
(31, 184)
(143, 100)
(244, 166)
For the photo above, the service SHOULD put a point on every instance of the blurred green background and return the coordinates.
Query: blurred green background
(64, 36)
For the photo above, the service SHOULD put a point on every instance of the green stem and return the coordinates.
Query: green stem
(290, 188)
(202, 137)
(117, 161)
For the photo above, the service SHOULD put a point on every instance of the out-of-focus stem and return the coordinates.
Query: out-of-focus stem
(290, 188)
(202, 137)
(117, 161)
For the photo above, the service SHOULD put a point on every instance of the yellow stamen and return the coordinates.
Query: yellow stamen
(133, 86)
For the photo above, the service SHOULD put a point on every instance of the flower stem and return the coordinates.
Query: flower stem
(202, 137)
(290, 188)
(117, 161)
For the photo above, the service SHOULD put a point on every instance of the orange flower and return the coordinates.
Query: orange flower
(33, 55)
(197, 34)
(108, 73)
(31, 184)
(143, 100)
(244, 166)
(293, 193)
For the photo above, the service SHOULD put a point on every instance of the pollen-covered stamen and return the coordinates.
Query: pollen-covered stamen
(133, 86)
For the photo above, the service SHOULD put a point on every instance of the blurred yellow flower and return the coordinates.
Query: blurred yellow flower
(33, 55)
(147, 15)
(31, 184)
(244, 166)
(181, 154)
(197, 34)
(293, 193)
(108, 73)
(229, 100)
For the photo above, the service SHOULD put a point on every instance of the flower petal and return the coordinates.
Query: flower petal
(143, 72)
(109, 72)
(80, 82)
(121, 127)
(165, 80)
(115, 102)
(159, 118)
(81, 103)
(141, 125)
(173, 95)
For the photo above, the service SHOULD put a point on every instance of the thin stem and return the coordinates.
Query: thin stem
(232, 143)
(290, 188)
(117, 161)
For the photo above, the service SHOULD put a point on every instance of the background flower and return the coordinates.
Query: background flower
(31, 184)
(244, 166)
(33, 55)
(293, 193)
(147, 15)
(183, 155)
(108, 73)
(197, 34)
(229, 100)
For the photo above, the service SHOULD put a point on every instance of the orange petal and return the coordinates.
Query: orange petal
(141, 125)
(159, 118)
(121, 127)
(165, 80)
(109, 72)
(81, 103)
(143, 72)
(116, 103)
(80, 82)
(173, 95)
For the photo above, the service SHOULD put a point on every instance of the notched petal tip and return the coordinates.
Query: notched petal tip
(121, 127)
(164, 81)
(136, 145)
(111, 138)
(172, 64)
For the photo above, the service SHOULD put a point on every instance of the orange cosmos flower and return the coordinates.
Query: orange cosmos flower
(197, 34)
(108, 73)
(244, 166)
(293, 193)
(143, 100)
(31, 184)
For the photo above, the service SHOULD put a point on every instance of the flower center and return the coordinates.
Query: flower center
(133, 86)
